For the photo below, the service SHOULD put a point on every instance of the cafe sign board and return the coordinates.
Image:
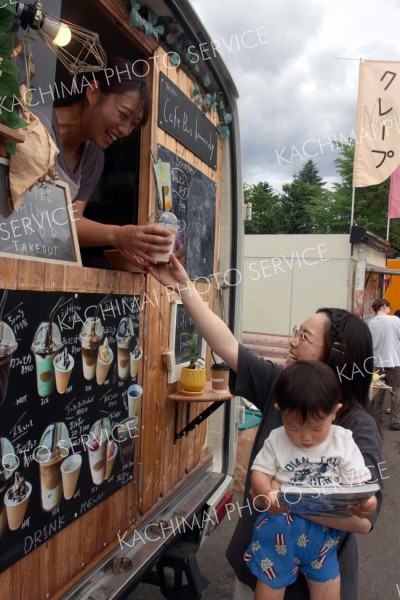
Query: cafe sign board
(180, 117)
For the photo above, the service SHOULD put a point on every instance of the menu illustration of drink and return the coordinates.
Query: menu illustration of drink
(68, 430)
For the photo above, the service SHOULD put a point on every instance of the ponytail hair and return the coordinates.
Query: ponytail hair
(349, 347)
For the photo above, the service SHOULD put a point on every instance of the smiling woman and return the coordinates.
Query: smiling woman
(105, 108)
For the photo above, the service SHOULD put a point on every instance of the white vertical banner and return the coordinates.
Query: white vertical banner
(377, 149)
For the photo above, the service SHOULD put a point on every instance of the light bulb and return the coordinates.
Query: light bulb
(59, 33)
(63, 36)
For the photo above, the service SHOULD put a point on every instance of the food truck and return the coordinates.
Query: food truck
(109, 474)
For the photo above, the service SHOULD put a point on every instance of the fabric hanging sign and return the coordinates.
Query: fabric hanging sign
(394, 195)
(377, 149)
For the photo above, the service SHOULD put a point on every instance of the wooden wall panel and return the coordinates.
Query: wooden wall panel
(64, 556)
(166, 463)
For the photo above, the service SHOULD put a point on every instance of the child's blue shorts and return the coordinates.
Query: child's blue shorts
(284, 544)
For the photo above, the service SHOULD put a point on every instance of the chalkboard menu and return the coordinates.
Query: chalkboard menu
(69, 410)
(42, 228)
(193, 202)
(180, 117)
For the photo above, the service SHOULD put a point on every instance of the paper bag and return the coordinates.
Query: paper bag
(33, 159)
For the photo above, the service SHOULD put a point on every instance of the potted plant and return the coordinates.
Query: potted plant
(193, 377)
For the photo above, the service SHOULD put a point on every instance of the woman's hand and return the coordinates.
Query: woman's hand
(172, 275)
(364, 509)
(143, 240)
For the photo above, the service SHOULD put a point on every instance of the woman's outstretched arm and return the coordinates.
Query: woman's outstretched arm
(215, 332)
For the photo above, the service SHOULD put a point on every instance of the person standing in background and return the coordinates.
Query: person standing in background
(385, 330)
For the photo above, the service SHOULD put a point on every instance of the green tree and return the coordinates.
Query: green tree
(300, 199)
(266, 209)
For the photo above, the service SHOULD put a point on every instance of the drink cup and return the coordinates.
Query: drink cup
(70, 470)
(8, 345)
(168, 221)
(97, 449)
(50, 480)
(103, 367)
(135, 393)
(135, 360)
(220, 377)
(125, 332)
(90, 337)
(16, 508)
(97, 461)
(63, 365)
(45, 346)
(8, 465)
(110, 458)
(126, 433)
(163, 257)
(50, 454)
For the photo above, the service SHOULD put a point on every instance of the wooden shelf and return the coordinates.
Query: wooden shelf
(209, 395)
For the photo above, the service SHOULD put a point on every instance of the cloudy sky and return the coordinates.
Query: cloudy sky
(298, 85)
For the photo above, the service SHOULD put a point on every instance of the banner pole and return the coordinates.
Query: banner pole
(387, 230)
(353, 196)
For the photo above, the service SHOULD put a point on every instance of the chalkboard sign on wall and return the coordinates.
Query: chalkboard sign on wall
(180, 117)
(181, 322)
(65, 404)
(42, 228)
(193, 202)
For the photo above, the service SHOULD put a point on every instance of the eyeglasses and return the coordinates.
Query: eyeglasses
(301, 337)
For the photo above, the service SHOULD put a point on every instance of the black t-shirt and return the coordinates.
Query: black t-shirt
(254, 381)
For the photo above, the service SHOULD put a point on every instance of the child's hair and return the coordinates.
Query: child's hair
(309, 388)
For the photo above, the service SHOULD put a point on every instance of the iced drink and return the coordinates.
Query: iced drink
(168, 221)
(8, 464)
(135, 356)
(53, 449)
(124, 334)
(7, 346)
(46, 345)
(16, 501)
(110, 458)
(50, 479)
(163, 257)
(135, 393)
(63, 365)
(97, 450)
(70, 470)
(104, 360)
(126, 433)
(90, 337)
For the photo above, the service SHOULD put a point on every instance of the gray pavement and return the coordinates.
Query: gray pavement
(379, 552)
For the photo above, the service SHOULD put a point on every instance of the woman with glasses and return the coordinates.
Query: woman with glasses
(108, 106)
(333, 336)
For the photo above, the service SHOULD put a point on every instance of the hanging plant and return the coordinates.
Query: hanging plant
(149, 24)
(9, 89)
(214, 102)
(178, 45)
